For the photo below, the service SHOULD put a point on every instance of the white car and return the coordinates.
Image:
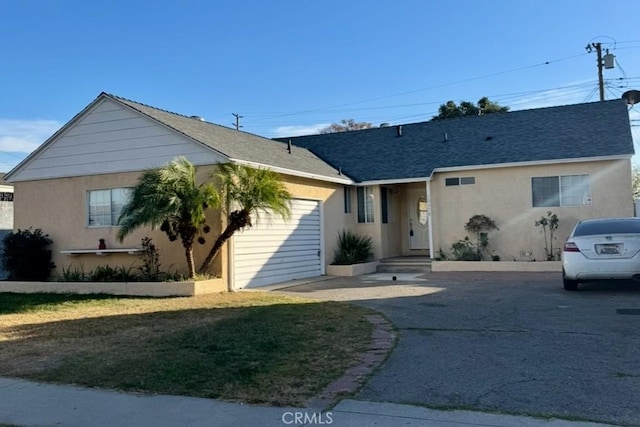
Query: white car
(601, 249)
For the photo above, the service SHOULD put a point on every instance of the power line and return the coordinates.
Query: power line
(549, 93)
(568, 89)
(425, 89)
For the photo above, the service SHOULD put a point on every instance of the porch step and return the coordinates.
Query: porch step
(415, 264)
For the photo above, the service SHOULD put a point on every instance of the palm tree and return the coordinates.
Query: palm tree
(170, 197)
(250, 191)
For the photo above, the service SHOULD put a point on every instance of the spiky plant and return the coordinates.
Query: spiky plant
(353, 248)
(170, 197)
(245, 192)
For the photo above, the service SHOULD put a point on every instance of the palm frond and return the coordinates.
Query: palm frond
(168, 193)
(254, 189)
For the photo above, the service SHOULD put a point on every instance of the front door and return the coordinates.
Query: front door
(418, 219)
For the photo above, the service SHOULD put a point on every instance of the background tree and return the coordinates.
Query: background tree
(171, 198)
(247, 191)
(345, 126)
(451, 110)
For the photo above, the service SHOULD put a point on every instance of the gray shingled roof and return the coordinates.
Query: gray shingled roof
(598, 129)
(237, 145)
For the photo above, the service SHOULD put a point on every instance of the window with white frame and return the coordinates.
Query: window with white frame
(564, 190)
(365, 205)
(104, 206)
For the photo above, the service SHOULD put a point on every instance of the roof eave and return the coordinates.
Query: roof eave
(346, 180)
(393, 181)
(531, 163)
(491, 166)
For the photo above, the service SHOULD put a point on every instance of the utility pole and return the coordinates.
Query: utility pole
(237, 122)
(606, 63)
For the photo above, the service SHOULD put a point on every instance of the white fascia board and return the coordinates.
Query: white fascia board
(491, 166)
(392, 181)
(74, 175)
(533, 163)
(346, 180)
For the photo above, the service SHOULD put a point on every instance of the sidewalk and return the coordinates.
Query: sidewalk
(26, 403)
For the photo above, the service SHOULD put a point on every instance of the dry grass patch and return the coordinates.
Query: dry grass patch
(253, 347)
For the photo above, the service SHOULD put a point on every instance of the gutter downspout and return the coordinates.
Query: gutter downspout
(429, 220)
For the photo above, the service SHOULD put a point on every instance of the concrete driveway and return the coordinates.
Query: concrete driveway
(506, 342)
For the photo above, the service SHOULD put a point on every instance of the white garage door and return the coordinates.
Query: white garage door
(275, 250)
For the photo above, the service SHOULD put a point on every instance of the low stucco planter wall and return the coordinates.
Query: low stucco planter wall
(153, 289)
(552, 266)
(352, 270)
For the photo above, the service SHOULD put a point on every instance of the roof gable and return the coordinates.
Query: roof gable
(243, 147)
(115, 134)
(593, 130)
(106, 138)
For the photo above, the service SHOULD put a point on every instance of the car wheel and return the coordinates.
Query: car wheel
(570, 285)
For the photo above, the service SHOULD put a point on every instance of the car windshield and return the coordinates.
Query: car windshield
(621, 226)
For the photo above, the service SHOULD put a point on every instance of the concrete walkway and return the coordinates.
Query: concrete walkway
(26, 403)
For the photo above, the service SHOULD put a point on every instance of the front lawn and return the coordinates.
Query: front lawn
(251, 347)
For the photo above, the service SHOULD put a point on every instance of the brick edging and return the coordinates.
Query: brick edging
(383, 339)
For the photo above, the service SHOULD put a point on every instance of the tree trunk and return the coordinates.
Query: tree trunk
(220, 241)
(188, 251)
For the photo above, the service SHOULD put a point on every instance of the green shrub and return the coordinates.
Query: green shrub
(106, 273)
(102, 273)
(441, 255)
(26, 256)
(352, 248)
(72, 274)
(150, 268)
(480, 225)
(465, 250)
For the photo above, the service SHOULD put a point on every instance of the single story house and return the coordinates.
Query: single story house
(411, 188)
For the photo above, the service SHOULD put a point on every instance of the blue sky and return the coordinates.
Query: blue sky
(290, 67)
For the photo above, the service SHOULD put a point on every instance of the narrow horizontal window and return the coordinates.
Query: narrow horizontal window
(451, 181)
(467, 180)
